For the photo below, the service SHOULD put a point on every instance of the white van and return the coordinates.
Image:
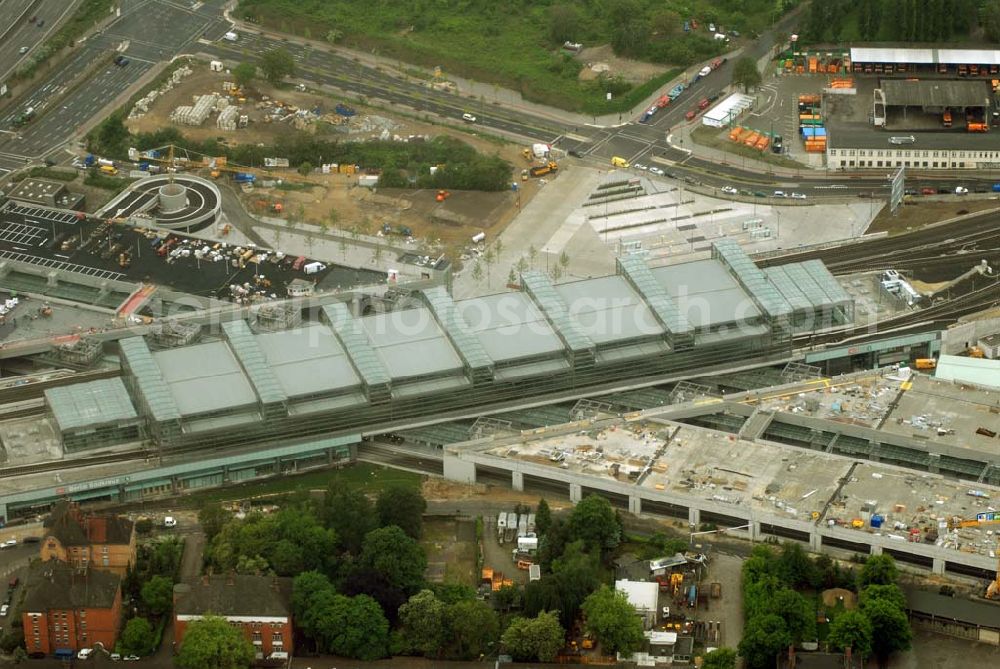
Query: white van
(230, 36)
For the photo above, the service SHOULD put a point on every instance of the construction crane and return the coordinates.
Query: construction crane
(219, 164)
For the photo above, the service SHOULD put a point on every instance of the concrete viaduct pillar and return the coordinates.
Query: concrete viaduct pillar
(754, 530)
(876, 550)
(517, 480)
(575, 492)
(815, 542)
(937, 566)
(635, 504)
(694, 517)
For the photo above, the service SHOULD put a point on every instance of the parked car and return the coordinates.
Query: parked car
(640, 166)
(961, 190)
(10, 543)
(575, 153)
(729, 190)
(4, 609)
(469, 117)
(131, 658)
(84, 653)
(779, 193)
(691, 114)
(927, 191)
(23, 50)
(798, 196)
(657, 171)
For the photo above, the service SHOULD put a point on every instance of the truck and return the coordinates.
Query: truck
(244, 178)
(89, 160)
(542, 170)
(314, 268)
(617, 161)
(105, 162)
(110, 170)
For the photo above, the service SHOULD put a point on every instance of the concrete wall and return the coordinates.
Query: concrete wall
(962, 335)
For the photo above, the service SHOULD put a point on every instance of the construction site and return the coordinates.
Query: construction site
(747, 462)
(203, 101)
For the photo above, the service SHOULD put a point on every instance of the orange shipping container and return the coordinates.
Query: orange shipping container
(736, 133)
(808, 99)
(752, 138)
(762, 143)
(812, 64)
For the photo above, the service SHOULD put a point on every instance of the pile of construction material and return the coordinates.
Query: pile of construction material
(196, 114)
(228, 118)
(142, 106)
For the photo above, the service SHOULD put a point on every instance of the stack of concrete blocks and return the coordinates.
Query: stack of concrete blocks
(228, 117)
(196, 114)
(142, 106)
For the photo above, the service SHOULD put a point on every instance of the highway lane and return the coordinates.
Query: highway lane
(16, 30)
(324, 67)
(151, 31)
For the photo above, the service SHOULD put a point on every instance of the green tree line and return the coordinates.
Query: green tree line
(401, 164)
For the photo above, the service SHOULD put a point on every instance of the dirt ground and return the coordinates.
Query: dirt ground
(603, 58)
(451, 550)
(442, 226)
(914, 216)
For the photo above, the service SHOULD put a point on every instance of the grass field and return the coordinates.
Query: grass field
(372, 478)
(516, 43)
(716, 139)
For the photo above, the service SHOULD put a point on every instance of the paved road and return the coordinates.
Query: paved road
(149, 31)
(17, 31)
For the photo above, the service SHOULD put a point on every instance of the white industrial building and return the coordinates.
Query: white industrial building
(644, 596)
(727, 111)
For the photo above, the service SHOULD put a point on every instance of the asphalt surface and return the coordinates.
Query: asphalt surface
(147, 32)
(18, 31)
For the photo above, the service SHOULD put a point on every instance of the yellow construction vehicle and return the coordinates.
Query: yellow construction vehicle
(993, 591)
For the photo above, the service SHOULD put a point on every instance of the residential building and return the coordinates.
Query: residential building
(88, 541)
(260, 605)
(68, 608)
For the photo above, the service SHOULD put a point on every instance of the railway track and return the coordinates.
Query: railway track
(73, 463)
(31, 390)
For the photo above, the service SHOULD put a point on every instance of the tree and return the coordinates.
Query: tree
(212, 643)
(893, 627)
(305, 168)
(763, 638)
(613, 621)
(423, 623)
(543, 517)
(851, 628)
(397, 557)
(276, 64)
(403, 507)
(350, 514)
(359, 628)
(540, 638)
(158, 594)
(890, 593)
(665, 23)
(212, 518)
(878, 570)
(746, 74)
(720, 658)
(137, 637)
(564, 23)
(798, 614)
(333, 36)
(20, 655)
(244, 74)
(473, 626)
(594, 521)
(796, 568)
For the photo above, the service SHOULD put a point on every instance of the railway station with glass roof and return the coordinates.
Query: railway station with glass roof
(354, 372)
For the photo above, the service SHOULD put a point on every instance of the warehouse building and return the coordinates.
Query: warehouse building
(955, 62)
(349, 372)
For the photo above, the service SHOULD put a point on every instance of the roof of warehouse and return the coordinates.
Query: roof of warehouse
(927, 56)
(509, 326)
(936, 93)
(842, 135)
(308, 360)
(978, 371)
(204, 378)
(397, 335)
(91, 403)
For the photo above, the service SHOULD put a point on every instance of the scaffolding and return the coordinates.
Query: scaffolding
(587, 408)
(275, 317)
(83, 352)
(486, 426)
(172, 333)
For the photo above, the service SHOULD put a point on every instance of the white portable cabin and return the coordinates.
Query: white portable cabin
(502, 520)
(522, 525)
